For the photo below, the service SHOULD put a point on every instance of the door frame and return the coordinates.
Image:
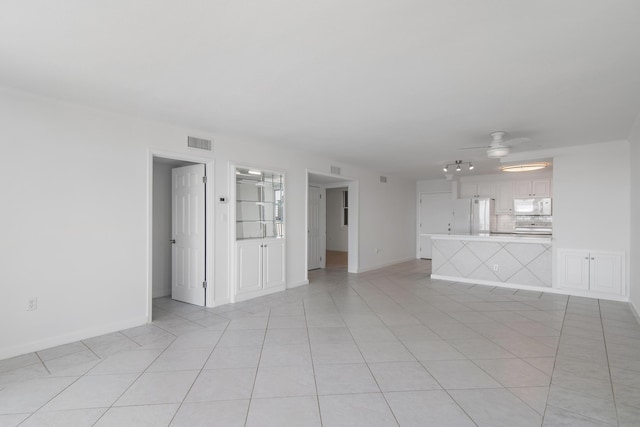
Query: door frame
(353, 186)
(208, 220)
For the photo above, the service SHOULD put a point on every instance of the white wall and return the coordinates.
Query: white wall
(634, 258)
(161, 229)
(76, 181)
(591, 208)
(337, 234)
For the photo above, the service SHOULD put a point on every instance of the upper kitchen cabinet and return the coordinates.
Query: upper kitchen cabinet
(532, 188)
(477, 189)
(504, 197)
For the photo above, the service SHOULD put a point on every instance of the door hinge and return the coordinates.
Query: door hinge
(204, 284)
(204, 179)
(320, 258)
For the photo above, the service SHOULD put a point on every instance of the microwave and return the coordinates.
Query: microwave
(532, 206)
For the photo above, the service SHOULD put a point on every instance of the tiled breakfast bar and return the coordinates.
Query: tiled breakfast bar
(499, 260)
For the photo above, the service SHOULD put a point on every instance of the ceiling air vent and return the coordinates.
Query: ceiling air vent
(383, 179)
(335, 170)
(199, 143)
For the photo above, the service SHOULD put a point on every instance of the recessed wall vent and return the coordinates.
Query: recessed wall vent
(335, 170)
(199, 143)
(383, 179)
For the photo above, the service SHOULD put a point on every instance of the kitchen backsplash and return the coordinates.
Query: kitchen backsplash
(505, 223)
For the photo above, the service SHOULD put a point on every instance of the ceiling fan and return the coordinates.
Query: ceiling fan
(499, 147)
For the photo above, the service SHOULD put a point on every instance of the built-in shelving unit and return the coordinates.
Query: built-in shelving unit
(259, 204)
(260, 243)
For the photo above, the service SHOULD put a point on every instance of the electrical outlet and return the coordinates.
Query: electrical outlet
(32, 304)
(495, 267)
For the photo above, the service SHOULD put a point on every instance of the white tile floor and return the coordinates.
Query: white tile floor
(384, 348)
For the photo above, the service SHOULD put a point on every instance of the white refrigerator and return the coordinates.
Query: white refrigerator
(473, 216)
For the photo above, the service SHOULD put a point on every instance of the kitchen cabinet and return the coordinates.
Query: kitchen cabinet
(260, 243)
(477, 189)
(532, 188)
(591, 271)
(260, 265)
(504, 197)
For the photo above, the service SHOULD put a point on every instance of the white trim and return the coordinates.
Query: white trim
(161, 293)
(297, 284)
(353, 186)
(571, 292)
(82, 334)
(635, 312)
(209, 220)
(386, 264)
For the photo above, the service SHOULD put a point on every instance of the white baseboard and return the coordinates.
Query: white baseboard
(383, 265)
(532, 288)
(82, 334)
(635, 311)
(295, 285)
(159, 293)
(221, 301)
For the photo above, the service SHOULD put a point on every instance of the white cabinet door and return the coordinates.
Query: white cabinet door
(541, 188)
(606, 273)
(477, 189)
(522, 189)
(467, 190)
(273, 263)
(249, 264)
(574, 269)
(534, 188)
(486, 189)
(504, 197)
(601, 272)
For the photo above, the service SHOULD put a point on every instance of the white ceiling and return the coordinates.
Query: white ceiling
(396, 86)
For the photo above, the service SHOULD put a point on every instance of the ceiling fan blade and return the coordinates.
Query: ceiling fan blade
(474, 148)
(516, 141)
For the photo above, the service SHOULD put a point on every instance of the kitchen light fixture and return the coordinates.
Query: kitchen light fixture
(527, 167)
(458, 164)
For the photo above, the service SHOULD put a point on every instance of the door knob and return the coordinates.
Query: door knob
(172, 241)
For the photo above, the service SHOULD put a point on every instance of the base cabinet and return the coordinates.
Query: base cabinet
(260, 267)
(591, 271)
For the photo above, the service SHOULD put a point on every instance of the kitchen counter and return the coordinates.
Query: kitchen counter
(496, 237)
(493, 259)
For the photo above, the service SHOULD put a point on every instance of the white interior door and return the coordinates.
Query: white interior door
(316, 229)
(188, 234)
(435, 218)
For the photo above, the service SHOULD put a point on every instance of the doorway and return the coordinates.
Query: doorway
(179, 206)
(332, 222)
(337, 220)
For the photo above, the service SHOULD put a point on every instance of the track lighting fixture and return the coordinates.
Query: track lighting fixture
(458, 164)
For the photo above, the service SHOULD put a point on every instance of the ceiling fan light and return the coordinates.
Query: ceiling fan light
(497, 152)
(527, 167)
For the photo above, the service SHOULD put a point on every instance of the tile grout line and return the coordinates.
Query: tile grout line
(606, 353)
(313, 367)
(255, 379)
(199, 372)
